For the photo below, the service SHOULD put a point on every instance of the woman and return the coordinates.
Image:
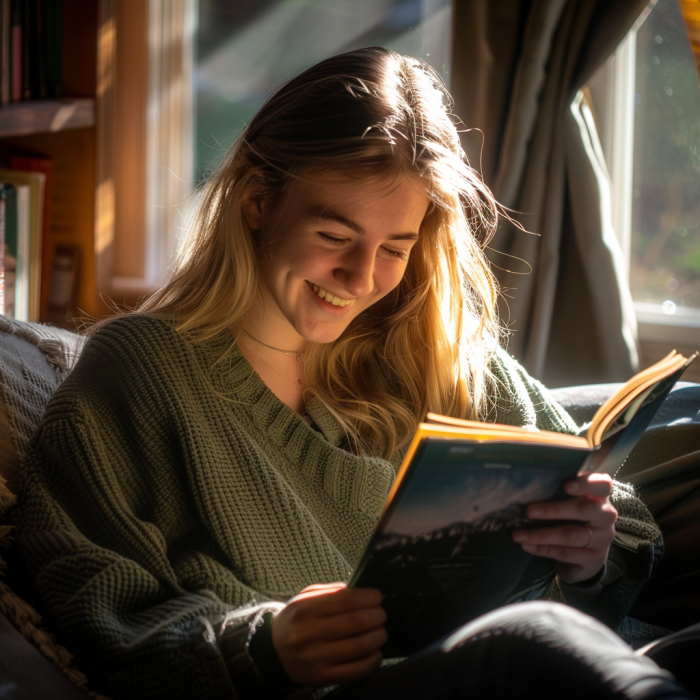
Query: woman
(231, 445)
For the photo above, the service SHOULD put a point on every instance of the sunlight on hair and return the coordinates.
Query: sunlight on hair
(427, 345)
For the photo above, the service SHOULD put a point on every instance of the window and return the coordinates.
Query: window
(203, 67)
(650, 128)
(247, 48)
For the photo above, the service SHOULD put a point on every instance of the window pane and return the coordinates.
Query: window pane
(665, 255)
(248, 47)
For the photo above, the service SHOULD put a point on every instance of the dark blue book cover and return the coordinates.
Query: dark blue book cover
(442, 553)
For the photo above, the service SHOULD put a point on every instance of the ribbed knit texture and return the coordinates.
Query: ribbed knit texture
(169, 490)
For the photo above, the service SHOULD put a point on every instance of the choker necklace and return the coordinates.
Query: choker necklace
(298, 355)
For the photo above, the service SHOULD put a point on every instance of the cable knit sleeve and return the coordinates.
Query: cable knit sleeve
(125, 570)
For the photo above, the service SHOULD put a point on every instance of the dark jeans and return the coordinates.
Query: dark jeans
(528, 651)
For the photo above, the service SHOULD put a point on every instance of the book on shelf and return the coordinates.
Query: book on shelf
(16, 50)
(5, 50)
(442, 552)
(30, 50)
(30, 208)
(36, 164)
(8, 242)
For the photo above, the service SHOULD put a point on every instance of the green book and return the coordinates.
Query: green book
(52, 56)
(9, 195)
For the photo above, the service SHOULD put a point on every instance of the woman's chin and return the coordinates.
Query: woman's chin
(323, 336)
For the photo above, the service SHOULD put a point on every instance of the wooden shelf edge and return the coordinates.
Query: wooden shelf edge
(41, 116)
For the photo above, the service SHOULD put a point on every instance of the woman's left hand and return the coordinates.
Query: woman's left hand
(580, 546)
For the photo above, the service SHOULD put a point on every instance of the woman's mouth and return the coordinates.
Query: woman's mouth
(328, 297)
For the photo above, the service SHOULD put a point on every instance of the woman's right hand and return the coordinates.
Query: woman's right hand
(330, 634)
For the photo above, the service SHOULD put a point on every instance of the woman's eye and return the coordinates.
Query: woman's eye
(331, 239)
(401, 254)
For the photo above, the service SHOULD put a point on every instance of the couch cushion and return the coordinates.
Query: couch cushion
(34, 360)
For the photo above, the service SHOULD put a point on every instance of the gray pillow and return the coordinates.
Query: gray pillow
(34, 360)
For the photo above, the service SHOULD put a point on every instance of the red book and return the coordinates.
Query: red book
(41, 165)
(16, 61)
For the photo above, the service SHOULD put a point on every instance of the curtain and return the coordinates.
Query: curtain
(517, 73)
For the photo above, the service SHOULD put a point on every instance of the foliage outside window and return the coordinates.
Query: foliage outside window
(665, 230)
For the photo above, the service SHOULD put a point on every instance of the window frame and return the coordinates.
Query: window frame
(617, 90)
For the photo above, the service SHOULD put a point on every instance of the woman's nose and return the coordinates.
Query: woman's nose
(356, 272)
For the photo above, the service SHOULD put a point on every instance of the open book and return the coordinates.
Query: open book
(442, 551)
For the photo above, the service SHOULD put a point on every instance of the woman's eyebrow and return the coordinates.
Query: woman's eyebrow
(330, 215)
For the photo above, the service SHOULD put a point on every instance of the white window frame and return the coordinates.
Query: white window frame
(682, 327)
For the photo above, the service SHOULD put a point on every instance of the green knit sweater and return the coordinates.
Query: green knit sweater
(171, 499)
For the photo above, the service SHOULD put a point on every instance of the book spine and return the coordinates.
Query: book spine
(6, 51)
(45, 166)
(23, 263)
(27, 50)
(11, 250)
(53, 30)
(39, 55)
(16, 59)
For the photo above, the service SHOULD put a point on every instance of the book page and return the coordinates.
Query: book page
(642, 382)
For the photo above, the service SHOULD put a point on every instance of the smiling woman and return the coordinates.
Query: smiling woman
(214, 466)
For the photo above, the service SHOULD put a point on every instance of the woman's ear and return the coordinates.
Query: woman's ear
(252, 210)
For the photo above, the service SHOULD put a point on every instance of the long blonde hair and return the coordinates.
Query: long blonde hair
(426, 346)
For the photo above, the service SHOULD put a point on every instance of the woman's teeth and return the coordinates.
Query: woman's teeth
(327, 296)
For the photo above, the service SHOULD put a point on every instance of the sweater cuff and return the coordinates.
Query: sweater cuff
(235, 643)
(264, 654)
(585, 592)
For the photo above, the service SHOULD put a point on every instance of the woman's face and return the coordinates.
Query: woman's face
(329, 248)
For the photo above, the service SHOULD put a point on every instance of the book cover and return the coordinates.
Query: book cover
(44, 166)
(35, 182)
(442, 552)
(8, 194)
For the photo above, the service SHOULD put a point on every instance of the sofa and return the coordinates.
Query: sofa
(34, 360)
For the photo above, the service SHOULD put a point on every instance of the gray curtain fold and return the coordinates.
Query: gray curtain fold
(517, 68)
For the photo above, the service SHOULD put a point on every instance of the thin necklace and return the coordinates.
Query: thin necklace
(298, 355)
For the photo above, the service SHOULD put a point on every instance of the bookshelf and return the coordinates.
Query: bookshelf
(46, 116)
(67, 131)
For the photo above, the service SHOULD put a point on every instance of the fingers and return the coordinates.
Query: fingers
(582, 508)
(336, 598)
(580, 544)
(595, 485)
(564, 536)
(329, 634)
(309, 626)
(351, 649)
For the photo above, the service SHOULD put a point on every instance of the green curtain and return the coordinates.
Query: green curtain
(518, 67)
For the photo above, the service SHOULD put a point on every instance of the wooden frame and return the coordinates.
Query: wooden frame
(145, 142)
